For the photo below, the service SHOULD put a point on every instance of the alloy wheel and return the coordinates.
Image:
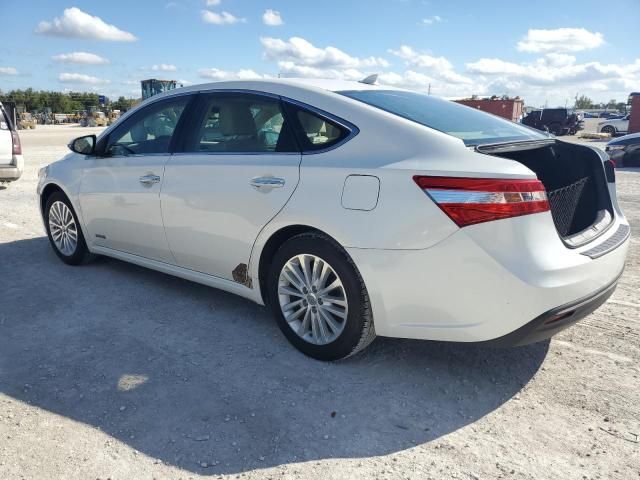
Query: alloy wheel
(312, 299)
(63, 228)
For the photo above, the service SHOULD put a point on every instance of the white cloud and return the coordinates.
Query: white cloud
(300, 52)
(213, 3)
(438, 67)
(560, 40)
(164, 67)
(560, 59)
(557, 76)
(8, 71)
(431, 20)
(219, 75)
(84, 58)
(82, 78)
(224, 18)
(78, 24)
(551, 70)
(272, 18)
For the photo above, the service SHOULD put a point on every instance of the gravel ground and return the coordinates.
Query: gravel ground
(114, 371)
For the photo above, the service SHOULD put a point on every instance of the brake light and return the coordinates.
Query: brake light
(468, 201)
(16, 145)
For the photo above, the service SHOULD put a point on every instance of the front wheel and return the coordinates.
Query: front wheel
(319, 299)
(608, 129)
(64, 232)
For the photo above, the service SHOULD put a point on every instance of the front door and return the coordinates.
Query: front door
(120, 190)
(237, 169)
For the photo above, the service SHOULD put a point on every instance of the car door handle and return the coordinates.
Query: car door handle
(267, 183)
(149, 179)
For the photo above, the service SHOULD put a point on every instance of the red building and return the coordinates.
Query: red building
(634, 119)
(510, 108)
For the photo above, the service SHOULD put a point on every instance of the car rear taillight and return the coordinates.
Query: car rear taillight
(15, 141)
(468, 201)
(610, 170)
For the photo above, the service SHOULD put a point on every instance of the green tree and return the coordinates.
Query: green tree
(583, 102)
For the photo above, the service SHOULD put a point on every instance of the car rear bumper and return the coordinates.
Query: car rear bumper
(488, 281)
(555, 320)
(13, 171)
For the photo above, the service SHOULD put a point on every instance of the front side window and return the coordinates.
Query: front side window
(148, 131)
(243, 123)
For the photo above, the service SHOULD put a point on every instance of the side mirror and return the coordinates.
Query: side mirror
(84, 145)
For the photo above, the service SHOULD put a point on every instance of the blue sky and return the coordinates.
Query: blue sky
(544, 51)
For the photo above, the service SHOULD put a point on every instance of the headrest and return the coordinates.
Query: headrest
(236, 119)
(138, 132)
(311, 123)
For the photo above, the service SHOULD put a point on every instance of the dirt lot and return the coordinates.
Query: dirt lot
(114, 371)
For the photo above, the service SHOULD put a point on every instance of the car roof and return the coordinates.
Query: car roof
(277, 86)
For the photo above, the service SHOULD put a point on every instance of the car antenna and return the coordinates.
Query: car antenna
(370, 80)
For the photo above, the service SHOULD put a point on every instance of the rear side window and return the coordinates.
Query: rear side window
(149, 131)
(315, 131)
(242, 123)
(318, 131)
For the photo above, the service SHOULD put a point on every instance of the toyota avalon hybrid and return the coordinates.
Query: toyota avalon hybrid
(350, 209)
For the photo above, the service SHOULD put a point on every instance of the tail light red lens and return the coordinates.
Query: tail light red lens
(468, 201)
(15, 141)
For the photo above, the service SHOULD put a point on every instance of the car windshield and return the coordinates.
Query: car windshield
(473, 127)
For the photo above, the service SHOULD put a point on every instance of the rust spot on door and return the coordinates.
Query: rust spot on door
(241, 275)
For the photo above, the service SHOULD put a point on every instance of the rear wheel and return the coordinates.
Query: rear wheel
(319, 298)
(64, 232)
(608, 129)
(556, 129)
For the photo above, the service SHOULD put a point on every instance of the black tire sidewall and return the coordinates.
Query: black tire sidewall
(339, 260)
(80, 255)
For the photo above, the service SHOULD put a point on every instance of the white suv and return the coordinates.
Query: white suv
(11, 161)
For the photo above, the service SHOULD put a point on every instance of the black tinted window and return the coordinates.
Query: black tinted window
(149, 130)
(318, 132)
(470, 125)
(243, 123)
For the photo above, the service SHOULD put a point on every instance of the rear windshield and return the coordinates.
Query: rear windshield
(472, 126)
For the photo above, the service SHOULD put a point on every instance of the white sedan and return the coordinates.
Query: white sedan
(615, 126)
(351, 209)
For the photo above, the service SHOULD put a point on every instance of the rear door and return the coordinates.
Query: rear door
(237, 167)
(6, 141)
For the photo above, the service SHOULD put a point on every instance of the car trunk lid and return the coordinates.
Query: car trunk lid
(575, 180)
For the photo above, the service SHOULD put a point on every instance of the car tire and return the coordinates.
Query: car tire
(64, 231)
(556, 129)
(323, 324)
(608, 129)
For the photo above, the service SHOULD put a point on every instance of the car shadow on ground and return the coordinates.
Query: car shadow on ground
(204, 380)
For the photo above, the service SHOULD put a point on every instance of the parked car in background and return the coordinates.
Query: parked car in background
(559, 121)
(288, 192)
(615, 126)
(625, 151)
(590, 115)
(11, 161)
(609, 115)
